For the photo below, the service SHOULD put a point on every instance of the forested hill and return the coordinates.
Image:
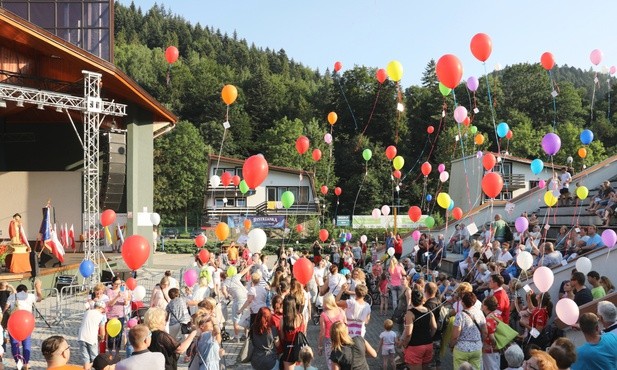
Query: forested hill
(279, 99)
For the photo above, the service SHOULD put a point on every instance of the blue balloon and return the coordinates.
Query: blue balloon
(586, 137)
(502, 129)
(536, 166)
(345, 271)
(429, 197)
(86, 268)
(451, 206)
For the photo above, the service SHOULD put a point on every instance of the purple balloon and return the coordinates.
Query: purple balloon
(521, 224)
(609, 238)
(551, 143)
(348, 236)
(479, 154)
(473, 83)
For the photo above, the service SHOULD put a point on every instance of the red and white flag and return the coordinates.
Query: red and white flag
(49, 236)
(72, 237)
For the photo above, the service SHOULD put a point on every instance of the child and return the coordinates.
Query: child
(306, 356)
(383, 291)
(387, 341)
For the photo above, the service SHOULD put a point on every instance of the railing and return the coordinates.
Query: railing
(513, 182)
(262, 209)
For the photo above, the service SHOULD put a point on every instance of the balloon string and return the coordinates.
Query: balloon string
(370, 116)
(553, 94)
(464, 160)
(608, 111)
(353, 211)
(593, 94)
(330, 158)
(399, 112)
(338, 80)
(490, 102)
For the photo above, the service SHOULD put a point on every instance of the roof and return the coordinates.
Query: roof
(214, 157)
(60, 60)
(512, 158)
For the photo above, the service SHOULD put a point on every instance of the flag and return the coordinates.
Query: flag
(59, 253)
(72, 237)
(49, 237)
(22, 236)
(62, 235)
(65, 236)
(119, 231)
(107, 236)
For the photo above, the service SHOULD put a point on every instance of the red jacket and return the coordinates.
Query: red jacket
(503, 304)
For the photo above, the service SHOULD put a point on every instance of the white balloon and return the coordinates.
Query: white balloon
(444, 176)
(155, 218)
(524, 260)
(225, 200)
(256, 240)
(363, 239)
(376, 213)
(583, 264)
(570, 160)
(385, 210)
(391, 251)
(215, 181)
(139, 293)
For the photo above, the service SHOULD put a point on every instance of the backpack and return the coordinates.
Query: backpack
(398, 315)
(441, 317)
(508, 236)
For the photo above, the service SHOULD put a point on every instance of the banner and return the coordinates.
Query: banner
(261, 222)
(383, 222)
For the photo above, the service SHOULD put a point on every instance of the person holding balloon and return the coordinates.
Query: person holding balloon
(22, 300)
(234, 290)
(160, 294)
(119, 300)
(91, 331)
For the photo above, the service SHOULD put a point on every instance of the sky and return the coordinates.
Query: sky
(372, 33)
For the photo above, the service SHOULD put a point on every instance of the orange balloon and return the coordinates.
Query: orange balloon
(481, 46)
(492, 183)
(229, 94)
(247, 224)
(479, 139)
(221, 231)
(332, 117)
(582, 152)
(489, 161)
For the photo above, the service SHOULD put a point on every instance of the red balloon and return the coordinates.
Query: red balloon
(467, 121)
(324, 189)
(135, 251)
(481, 46)
(338, 191)
(457, 213)
(547, 60)
(509, 135)
(302, 144)
(108, 217)
(449, 70)
(236, 180)
(316, 154)
(200, 240)
(299, 228)
(226, 178)
(20, 324)
(426, 168)
(488, 161)
(323, 235)
(430, 129)
(381, 75)
(391, 152)
(492, 183)
(397, 174)
(204, 256)
(255, 170)
(338, 66)
(414, 213)
(171, 54)
(131, 283)
(303, 270)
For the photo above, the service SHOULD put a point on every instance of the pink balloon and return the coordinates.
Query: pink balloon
(609, 238)
(479, 154)
(543, 277)
(376, 213)
(327, 138)
(190, 277)
(541, 184)
(612, 70)
(567, 311)
(460, 113)
(521, 224)
(416, 235)
(132, 322)
(441, 167)
(596, 56)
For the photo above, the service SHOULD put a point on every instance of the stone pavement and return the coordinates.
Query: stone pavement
(72, 311)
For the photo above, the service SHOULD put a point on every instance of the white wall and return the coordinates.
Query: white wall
(27, 193)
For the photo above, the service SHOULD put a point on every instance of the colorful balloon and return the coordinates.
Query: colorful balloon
(135, 251)
(467, 121)
(229, 94)
(429, 222)
(596, 56)
(236, 180)
(524, 260)
(430, 129)
(398, 162)
(443, 199)
(478, 139)
(201, 240)
(426, 168)
(609, 238)
(457, 213)
(221, 231)
(323, 235)
(381, 75)
(226, 178)
(441, 168)
(316, 154)
(108, 217)
(376, 213)
(113, 327)
(583, 264)
(416, 235)
(255, 170)
(86, 268)
(247, 224)
(449, 70)
(385, 210)
(131, 283)
(536, 166)
(444, 176)
(391, 152)
(550, 199)
(473, 130)
(502, 129)
(244, 188)
(481, 46)
(288, 199)
(337, 66)
(327, 138)
(551, 143)
(338, 191)
(367, 154)
(257, 240)
(509, 135)
(190, 277)
(473, 83)
(582, 152)
(414, 213)
(567, 311)
(492, 184)
(397, 174)
(204, 256)
(299, 228)
(586, 137)
(303, 270)
(460, 113)
(489, 161)
(171, 54)
(582, 192)
(332, 118)
(521, 224)
(302, 144)
(547, 61)
(445, 91)
(395, 70)
(543, 278)
(324, 189)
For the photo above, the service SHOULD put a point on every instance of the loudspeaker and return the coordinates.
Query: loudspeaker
(106, 275)
(113, 179)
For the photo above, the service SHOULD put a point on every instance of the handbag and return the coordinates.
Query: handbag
(504, 334)
(246, 352)
(184, 328)
(291, 352)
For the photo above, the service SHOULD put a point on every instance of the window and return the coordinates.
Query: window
(271, 194)
(240, 202)
(303, 198)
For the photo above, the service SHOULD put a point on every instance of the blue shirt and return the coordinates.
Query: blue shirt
(596, 239)
(601, 356)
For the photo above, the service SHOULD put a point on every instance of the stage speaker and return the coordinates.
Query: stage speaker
(106, 275)
(113, 177)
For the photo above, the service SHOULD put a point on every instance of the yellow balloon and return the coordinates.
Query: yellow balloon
(113, 327)
(395, 70)
(550, 199)
(398, 162)
(443, 199)
(582, 192)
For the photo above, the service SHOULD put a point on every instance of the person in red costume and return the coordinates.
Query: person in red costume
(16, 231)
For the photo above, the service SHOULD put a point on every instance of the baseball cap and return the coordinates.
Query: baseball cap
(103, 360)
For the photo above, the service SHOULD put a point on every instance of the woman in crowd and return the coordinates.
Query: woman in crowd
(208, 349)
(564, 353)
(358, 312)
(607, 284)
(201, 292)
(491, 357)
(159, 296)
(348, 353)
(467, 333)
(265, 339)
(178, 313)
(255, 297)
(155, 319)
(540, 360)
(277, 312)
(420, 327)
(119, 300)
(293, 324)
(331, 314)
(563, 240)
(396, 271)
(514, 357)
(98, 294)
(358, 277)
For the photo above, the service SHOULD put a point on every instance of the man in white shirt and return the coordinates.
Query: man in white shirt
(140, 338)
(92, 330)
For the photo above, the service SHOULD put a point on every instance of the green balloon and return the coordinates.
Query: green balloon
(287, 198)
(243, 187)
(367, 154)
(429, 222)
(445, 91)
(473, 129)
